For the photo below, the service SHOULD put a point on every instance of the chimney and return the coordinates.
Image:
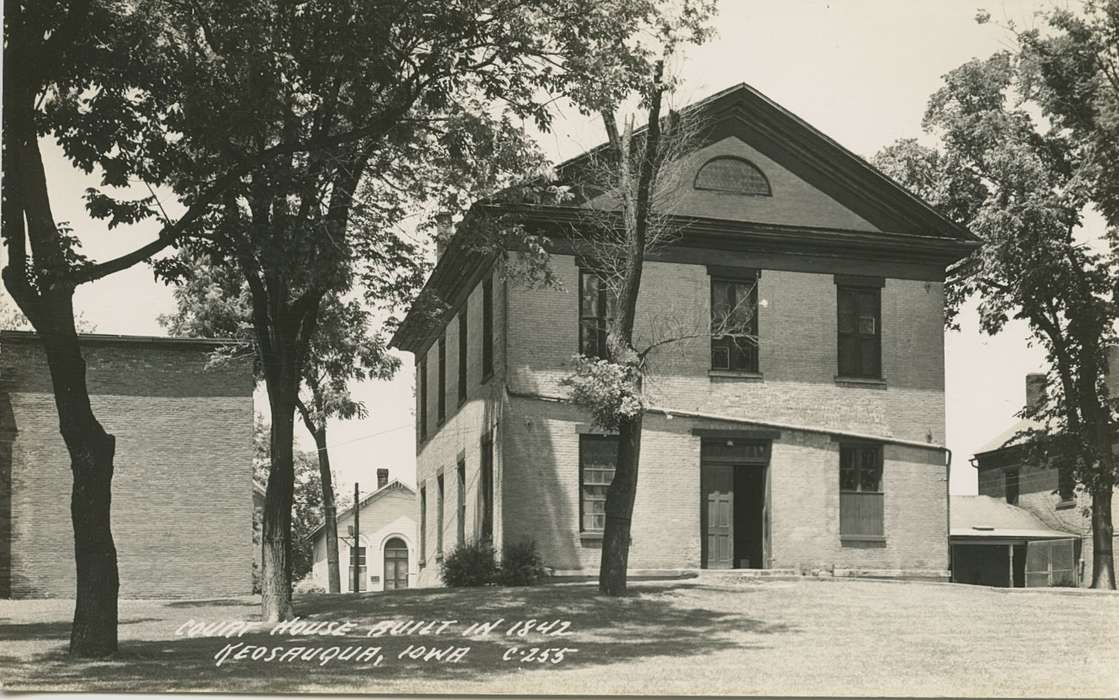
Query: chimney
(382, 478)
(1035, 389)
(442, 234)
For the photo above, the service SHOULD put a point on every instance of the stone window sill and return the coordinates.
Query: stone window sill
(865, 382)
(1066, 504)
(590, 536)
(735, 375)
(862, 539)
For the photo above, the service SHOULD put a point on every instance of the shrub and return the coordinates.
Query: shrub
(521, 565)
(470, 564)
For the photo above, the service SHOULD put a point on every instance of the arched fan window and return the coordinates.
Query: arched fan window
(734, 175)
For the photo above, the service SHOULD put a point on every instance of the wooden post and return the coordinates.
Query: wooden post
(354, 561)
(1010, 548)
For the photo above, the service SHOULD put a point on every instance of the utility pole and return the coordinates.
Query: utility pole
(355, 559)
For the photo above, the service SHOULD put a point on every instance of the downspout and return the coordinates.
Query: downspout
(948, 508)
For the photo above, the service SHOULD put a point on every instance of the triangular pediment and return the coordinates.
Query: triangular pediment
(814, 181)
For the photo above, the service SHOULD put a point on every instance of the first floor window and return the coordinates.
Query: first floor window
(439, 501)
(423, 525)
(598, 457)
(860, 491)
(460, 473)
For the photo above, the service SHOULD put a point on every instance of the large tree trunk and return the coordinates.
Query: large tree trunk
(330, 521)
(1103, 561)
(275, 584)
(94, 631)
(620, 498)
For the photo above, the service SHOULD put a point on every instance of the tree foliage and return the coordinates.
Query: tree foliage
(1020, 175)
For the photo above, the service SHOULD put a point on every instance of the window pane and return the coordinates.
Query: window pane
(871, 469)
(846, 311)
(848, 475)
(849, 360)
(588, 305)
(597, 457)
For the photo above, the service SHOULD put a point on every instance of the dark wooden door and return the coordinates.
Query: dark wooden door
(718, 517)
(396, 564)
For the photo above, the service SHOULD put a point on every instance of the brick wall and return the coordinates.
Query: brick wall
(536, 460)
(462, 432)
(182, 487)
(797, 350)
(542, 498)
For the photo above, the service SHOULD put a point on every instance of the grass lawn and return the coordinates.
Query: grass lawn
(702, 636)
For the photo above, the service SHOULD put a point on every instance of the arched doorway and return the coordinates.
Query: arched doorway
(396, 564)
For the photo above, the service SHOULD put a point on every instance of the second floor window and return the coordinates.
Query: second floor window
(487, 327)
(861, 504)
(1010, 485)
(462, 326)
(596, 312)
(860, 331)
(421, 389)
(734, 324)
(441, 409)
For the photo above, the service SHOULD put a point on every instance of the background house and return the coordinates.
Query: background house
(182, 485)
(819, 448)
(1047, 491)
(995, 543)
(385, 550)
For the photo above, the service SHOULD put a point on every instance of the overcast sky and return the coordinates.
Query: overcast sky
(858, 70)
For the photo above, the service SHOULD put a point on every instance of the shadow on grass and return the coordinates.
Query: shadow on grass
(14, 632)
(653, 622)
(215, 602)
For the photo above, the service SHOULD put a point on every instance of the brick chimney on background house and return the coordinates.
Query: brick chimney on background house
(1035, 389)
(382, 478)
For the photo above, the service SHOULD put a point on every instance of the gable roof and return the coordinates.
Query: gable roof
(988, 517)
(744, 112)
(394, 485)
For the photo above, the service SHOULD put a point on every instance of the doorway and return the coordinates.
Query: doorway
(734, 513)
(396, 564)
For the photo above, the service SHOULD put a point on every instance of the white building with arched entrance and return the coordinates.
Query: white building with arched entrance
(385, 549)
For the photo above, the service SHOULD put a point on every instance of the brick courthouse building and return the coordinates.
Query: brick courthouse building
(820, 448)
(182, 486)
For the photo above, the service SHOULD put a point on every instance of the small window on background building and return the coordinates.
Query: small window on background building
(487, 327)
(462, 338)
(732, 175)
(596, 311)
(861, 510)
(357, 557)
(441, 409)
(1066, 485)
(734, 324)
(598, 458)
(439, 503)
(860, 331)
(1010, 484)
